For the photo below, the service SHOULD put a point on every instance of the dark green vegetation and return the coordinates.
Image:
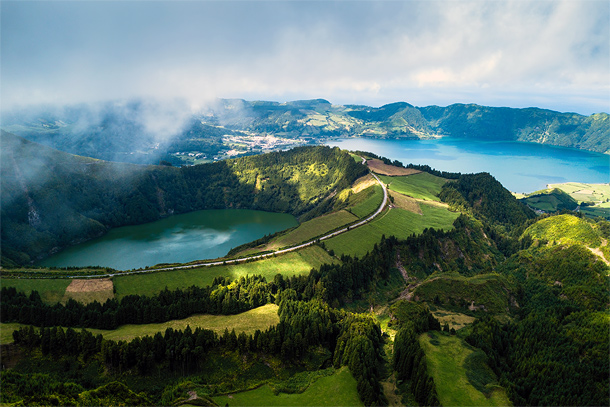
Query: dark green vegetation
(98, 131)
(537, 289)
(52, 199)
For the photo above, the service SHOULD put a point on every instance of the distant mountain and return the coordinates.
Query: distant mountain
(145, 132)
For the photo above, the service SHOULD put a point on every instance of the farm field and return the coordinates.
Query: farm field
(338, 389)
(89, 290)
(293, 263)
(421, 186)
(366, 202)
(397, 222)
(583, 192)
(381, 168)
(460, 372)
(248, 322)
(311, 229)
(51, 290)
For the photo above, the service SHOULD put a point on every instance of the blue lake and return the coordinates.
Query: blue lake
(520, 167)
(177, 239)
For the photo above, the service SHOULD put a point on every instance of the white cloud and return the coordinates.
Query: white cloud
(433, 52)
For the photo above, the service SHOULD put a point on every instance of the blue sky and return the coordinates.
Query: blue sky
(553, 54)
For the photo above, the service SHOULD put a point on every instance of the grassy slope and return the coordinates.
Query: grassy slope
(366, 202)
(294, 263)
(422, 186)
(397, 222)
(462, 377)
(336, 390)
(50, 290)
(312, 228)
(248, 322)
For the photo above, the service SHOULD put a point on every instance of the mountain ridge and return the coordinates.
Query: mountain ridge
(145, 132)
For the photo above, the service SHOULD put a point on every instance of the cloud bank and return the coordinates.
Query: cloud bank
(552, 54)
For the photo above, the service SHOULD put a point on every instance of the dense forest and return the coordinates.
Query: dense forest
(52, 199)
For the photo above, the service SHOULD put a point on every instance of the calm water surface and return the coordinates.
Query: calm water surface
(178, 239)
(520, 167)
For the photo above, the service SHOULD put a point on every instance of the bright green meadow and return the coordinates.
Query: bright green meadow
(460, 372)
(421, 185)
(338, 389)
(397, 222)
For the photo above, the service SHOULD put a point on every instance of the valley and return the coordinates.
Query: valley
(318, 313)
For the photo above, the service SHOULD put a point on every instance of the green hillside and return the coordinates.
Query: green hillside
(565, 229)
(52, 199)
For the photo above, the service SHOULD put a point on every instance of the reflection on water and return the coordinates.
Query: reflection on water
(177, 239)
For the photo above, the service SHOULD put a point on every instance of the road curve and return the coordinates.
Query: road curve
(260, 256)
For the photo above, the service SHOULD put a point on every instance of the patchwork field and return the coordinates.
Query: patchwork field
(582, 192)
(338, 389)
(421, 186)
(379, 167)
(89, 290)
(461, 373)
(293, 263)
(248, 322)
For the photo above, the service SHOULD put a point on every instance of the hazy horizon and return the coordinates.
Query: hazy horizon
(547, 54)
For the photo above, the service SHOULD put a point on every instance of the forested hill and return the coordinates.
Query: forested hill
(52, 199)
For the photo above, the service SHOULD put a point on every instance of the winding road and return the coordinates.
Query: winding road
(260, 256)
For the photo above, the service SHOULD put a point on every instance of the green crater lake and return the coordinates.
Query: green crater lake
(199, 235)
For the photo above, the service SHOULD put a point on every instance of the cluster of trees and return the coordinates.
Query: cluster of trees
(482, 195)
(222, 297)
(408, 359)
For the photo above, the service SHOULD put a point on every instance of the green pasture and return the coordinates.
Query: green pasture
(460, 372)
(293, 263)
(51, 290)
(397, 222)
(366, 202)
(338, 389)
(313, 228)
(421, 185)
(248, 322)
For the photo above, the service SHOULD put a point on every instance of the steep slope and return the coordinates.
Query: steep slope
(52, 199)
